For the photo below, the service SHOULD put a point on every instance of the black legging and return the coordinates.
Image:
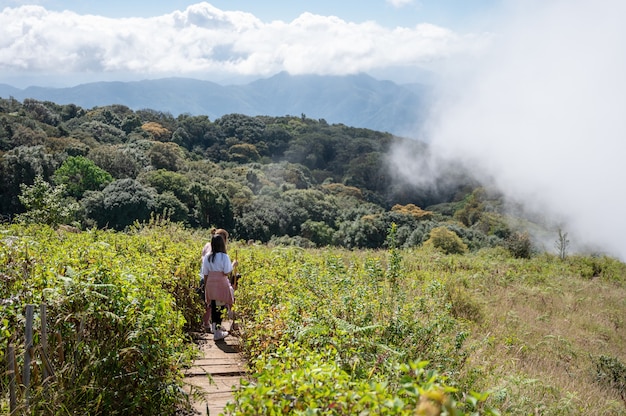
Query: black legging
(216, 313)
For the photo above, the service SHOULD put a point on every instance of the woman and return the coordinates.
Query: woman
(206, 318)
(215, 268)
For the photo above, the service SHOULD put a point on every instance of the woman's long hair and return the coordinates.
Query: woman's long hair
(217, 246)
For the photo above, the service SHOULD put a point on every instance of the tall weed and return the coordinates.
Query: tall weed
(117, 336)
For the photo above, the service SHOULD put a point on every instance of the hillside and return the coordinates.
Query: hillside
(355, 100)
(386, 332)
(289, 180)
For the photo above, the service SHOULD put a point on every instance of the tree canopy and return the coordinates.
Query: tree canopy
(291, 179)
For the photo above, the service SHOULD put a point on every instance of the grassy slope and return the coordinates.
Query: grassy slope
(538, 327)
(535, 327)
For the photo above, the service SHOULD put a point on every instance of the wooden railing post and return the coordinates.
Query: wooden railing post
(23, 380)
(28, 346)
(12, 368)
(44, 338)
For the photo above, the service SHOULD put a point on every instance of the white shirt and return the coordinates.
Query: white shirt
(221, 263)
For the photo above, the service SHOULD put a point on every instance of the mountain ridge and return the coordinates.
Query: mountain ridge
(355, 100)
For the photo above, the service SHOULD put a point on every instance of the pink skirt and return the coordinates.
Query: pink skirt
(217, 287)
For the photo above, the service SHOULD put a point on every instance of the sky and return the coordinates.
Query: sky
(63, 43)
(389, 13)
(528, 94)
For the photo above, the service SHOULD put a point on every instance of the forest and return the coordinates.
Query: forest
(287, 180)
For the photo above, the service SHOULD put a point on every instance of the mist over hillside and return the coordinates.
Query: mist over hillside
(354, 100)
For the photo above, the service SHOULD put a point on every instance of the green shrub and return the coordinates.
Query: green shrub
(326, 331)
(611, 372)
(47, 204)
(116, 340)
(519, 245)
(447, 241)
(590, 267)
(294, 380)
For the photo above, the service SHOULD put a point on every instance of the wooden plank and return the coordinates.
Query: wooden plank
(213, 360)
(220, 369)
(215, 373)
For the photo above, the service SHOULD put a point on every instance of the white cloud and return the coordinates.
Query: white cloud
(205, 40)
(400, 3)
(541, 116)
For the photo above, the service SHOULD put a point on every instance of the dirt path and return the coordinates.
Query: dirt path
(214, 373)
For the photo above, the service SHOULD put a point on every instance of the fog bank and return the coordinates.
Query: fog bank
(541, 116)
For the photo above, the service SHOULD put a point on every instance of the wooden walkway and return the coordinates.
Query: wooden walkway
(214, 374)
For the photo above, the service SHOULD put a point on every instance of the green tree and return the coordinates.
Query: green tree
(119, 204)
(80, 174)
(104, 133)
(244, 128)
(317, 205)
(165, 180)
(70, 111)
(194, 131)
(20, 166)
(472, 210)
(367, 231)
(27, 136)
(166, 156)
(47, 204)
(367, 171)
(120, 161)
(244, 153)
(264, 218)
(313, 150)
(41, 112)
(277, 140)
(130, 123)
(318, 232)
(171, 207)
(281, 173)
(519, 245)
(210, 207)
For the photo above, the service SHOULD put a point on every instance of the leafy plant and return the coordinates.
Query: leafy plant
(116, 309)
(611, 372)
(445, 240)
(519, 245)
(320, 328)
(47, 204)
(294, 380)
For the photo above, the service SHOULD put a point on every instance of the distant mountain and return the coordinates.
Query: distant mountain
(354, 100)
(9, 91)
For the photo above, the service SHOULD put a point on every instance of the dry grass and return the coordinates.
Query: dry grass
(539, 336)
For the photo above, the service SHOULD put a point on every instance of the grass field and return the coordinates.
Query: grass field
(325, 331)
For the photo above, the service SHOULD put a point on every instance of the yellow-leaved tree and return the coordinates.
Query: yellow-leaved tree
(446, 240)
